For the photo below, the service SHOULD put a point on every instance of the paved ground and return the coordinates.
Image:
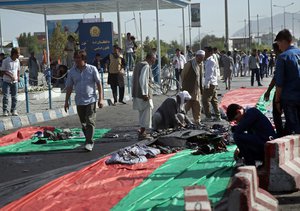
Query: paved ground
(123, 121)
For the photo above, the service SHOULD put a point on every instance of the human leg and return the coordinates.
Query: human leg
(5, 90)
(196, 110)
(206, 98)
(214, 102)
(121, 94)
(252, 76)
(277, 120)
(251, 147)
(14, 97)
(87, 116)
(292, 117)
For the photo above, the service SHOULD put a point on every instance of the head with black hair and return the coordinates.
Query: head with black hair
(233, 112)
(284, 39)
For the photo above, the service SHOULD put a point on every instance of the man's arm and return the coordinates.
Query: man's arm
(208, 73)
(143, 80)
(100, 99)
(68, 94)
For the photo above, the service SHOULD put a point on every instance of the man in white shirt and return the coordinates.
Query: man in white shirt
(11, 76)
(129, 47)
(142, 93)
(178, 62)
(210, 85)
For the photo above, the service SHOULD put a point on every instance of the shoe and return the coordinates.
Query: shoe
(14, 113)
(122, 102)
(5, 113)
(260, 85)
(143, 136)
(89, 147)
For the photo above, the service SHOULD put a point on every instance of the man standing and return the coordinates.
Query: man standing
(11, 76)
(210, 85)
(84, 78)
(228, 66)
(34, 69)
(287, 78)
(129, 47)
(192, 82)
(141, 93)
(254, 67)
(178, 62)
(116, 65)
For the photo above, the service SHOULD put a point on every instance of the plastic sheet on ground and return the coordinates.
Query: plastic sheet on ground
(164, 188)
(21, 135)
(265, 106)
(96, 187)
(68, 144)
(242, 96)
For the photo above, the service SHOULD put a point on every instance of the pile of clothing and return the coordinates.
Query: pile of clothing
(45, 135)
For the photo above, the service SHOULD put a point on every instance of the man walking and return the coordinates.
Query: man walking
(11, 76)
(254, 67)
(142, 94)
(192, 82)
(210, 85)
(84, 78)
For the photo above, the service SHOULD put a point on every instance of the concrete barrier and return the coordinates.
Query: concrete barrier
(282, 165)
(196, 198)
(245, 194)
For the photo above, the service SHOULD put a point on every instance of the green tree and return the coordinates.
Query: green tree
(57, 43)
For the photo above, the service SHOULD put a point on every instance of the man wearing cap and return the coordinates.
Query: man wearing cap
(210, 86)
(171, 114)
(287, 79)
(192, 82)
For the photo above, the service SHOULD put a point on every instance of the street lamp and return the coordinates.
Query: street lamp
(284, 6)
(125, 23)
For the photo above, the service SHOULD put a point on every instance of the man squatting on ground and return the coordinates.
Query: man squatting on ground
(252, 131)
(171, 113)
(142, 93)
(84, 78)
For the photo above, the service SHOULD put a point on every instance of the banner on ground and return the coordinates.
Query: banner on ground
(195, 15)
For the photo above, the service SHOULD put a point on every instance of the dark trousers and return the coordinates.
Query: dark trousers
(251, 147)
(177, 75)
(277, 120)
(87, 116)
(292, 117)
(114, 89)
(256, 73)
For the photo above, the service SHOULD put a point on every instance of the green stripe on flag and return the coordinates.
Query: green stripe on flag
(164, 188)
(68, 144)
(263, 105)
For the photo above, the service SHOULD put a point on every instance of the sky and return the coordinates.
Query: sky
(170, 21)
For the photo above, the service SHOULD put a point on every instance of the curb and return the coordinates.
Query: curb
(13, 122)
(244, 193)
(196, 198)
(282, 164)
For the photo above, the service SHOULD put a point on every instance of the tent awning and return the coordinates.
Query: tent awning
(59, 7)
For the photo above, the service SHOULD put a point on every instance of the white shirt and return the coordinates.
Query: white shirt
(211, 74)
(138, 103)
(180, 61)
(11, 66)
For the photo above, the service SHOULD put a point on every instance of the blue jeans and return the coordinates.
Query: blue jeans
(10, 88)
(129, 60)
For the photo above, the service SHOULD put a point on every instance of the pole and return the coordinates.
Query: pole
(1, 40)
(47, 39)
(141, 34)
(183, 32)
(226, 26)
(119, 25)
(249, 26)
(26, 92)
(158, 36)
(257, 28)
(190, 27)
(49, 87)
(284, 17)
(272, 27)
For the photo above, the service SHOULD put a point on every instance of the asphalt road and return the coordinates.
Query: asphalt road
(123, 120)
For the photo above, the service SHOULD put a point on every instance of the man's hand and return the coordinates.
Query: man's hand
(236, 154)
(66, 106)
(100, 103)
(145, 97)
(267, 96)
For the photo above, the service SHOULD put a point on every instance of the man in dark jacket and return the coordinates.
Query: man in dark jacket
(252, 131)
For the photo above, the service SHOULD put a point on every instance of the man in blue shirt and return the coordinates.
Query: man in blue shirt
(287, 79)
(252, 131)
(84, 78)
